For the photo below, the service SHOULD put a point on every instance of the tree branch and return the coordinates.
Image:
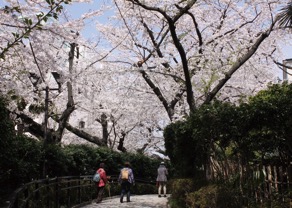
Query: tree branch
(177, 43)
(86, 136)
(238, 64)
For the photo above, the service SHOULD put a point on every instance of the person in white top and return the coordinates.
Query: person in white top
(161, 180)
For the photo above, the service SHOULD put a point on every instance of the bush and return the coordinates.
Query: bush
(143, 166)
(80, 160)
(84, 160)
(215, 196)
(179, 189)
(205, 197)
(56, 161)
(20, 163)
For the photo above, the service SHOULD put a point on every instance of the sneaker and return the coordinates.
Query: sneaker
(159, 195)
(164, 195)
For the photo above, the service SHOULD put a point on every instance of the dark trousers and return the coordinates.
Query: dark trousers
(126, 187)
(100, 191)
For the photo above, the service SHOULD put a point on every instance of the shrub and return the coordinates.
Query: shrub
(179, 189)
(205, 197)
(143, 166)
(215, 196)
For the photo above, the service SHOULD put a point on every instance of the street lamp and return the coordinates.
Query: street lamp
(47, 90)
(57, 78)
(287, 72)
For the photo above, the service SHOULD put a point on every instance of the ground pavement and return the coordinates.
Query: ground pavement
(137, 201)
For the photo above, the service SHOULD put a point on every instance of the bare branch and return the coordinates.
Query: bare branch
(85, 136)
(240, 61)
(233, 30)
(36, 62)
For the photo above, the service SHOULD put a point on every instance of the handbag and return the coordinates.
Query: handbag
(96, 177)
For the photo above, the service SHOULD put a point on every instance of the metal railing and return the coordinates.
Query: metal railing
(65, 192)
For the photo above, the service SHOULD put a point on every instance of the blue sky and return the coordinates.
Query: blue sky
(288, 52)
(77, 9)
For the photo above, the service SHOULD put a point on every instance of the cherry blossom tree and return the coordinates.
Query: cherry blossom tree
(151, 63)
(204, 49)
(56, 55)
(187, 58)
(37, 50)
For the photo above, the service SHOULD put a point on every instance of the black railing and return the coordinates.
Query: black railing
(68, 191)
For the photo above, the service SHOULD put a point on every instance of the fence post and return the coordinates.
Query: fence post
(15, 205)
(270, 180)
(95, 189)
(79, 190)
(68, 193)
(57, 193)
(48, 192)
(37, 194)
(289, 177)
(257, 190)
(276, 178)
(26, 203)
(265, 184)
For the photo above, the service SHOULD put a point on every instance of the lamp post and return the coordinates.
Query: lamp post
(287, 71)
(47, 90)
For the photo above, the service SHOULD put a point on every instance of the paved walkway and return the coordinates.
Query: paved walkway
(137, 201)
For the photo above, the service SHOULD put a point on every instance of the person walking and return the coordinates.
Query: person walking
(102, 182)
(161, 180)
(126, 179)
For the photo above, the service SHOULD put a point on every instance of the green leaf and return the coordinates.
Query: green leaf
(16, 35)
(2, 56)
(55, 16)
(17, 9)
(45, 19)
(59, 8)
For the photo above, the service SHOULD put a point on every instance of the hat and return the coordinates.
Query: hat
(162, 163)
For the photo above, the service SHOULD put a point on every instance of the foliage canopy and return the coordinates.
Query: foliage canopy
(254, 131)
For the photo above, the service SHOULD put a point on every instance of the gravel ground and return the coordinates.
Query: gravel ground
(137, 201)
